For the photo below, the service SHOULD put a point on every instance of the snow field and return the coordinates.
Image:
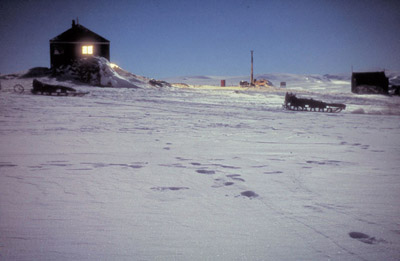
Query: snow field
(183, 174)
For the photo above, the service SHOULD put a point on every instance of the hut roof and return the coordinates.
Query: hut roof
(369, 76)
(78, 33)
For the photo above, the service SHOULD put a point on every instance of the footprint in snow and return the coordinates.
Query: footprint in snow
(195, 164)
(7, 164)
(273, 172)
(365, 238)
(235, 177)
(204, 171)
(221, 183)
(182, 159)
(249, 194)
(168, 188)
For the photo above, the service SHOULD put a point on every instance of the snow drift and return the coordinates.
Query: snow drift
(98, 71)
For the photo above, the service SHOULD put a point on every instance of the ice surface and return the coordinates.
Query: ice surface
(198, 174)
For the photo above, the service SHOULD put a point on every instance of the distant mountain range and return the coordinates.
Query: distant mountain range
(275, 78)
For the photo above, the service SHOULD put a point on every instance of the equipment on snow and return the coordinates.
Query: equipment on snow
(300, 104)
(49, 89)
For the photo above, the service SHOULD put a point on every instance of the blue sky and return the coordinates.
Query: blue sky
(159, 39)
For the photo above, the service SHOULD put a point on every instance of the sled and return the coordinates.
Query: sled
(41, 88)
(18, 88)
(293, 103)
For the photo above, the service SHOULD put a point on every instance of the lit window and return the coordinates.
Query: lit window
(87, 49)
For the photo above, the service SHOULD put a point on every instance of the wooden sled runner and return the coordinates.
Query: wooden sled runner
(49, 89)
(300, 104)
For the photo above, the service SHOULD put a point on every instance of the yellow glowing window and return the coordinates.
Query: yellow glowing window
(87, 49)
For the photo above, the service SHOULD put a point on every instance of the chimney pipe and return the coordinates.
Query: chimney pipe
(73, 23)
(251, 75)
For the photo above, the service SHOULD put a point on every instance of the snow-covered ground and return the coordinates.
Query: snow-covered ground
(199, 174)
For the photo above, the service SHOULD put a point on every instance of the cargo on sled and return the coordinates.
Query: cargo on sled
(50, 89)
(301, 104)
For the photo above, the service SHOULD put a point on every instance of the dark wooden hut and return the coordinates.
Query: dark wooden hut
(77, 42)
(369, 82)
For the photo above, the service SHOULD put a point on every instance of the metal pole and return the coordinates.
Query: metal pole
(251, 75)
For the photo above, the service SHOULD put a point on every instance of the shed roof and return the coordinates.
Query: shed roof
(369, 75)
(78, 33)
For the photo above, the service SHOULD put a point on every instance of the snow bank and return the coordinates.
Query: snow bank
(109, 77)
(98, 71)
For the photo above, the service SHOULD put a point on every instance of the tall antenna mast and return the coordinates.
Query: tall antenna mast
(251, 75)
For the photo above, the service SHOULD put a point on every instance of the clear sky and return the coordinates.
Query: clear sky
(166, 38)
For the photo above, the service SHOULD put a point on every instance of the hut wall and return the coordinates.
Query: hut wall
(65, 53)
(378, 80)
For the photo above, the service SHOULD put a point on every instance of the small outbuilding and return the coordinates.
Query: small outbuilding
(369, 83)
(75, 43)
